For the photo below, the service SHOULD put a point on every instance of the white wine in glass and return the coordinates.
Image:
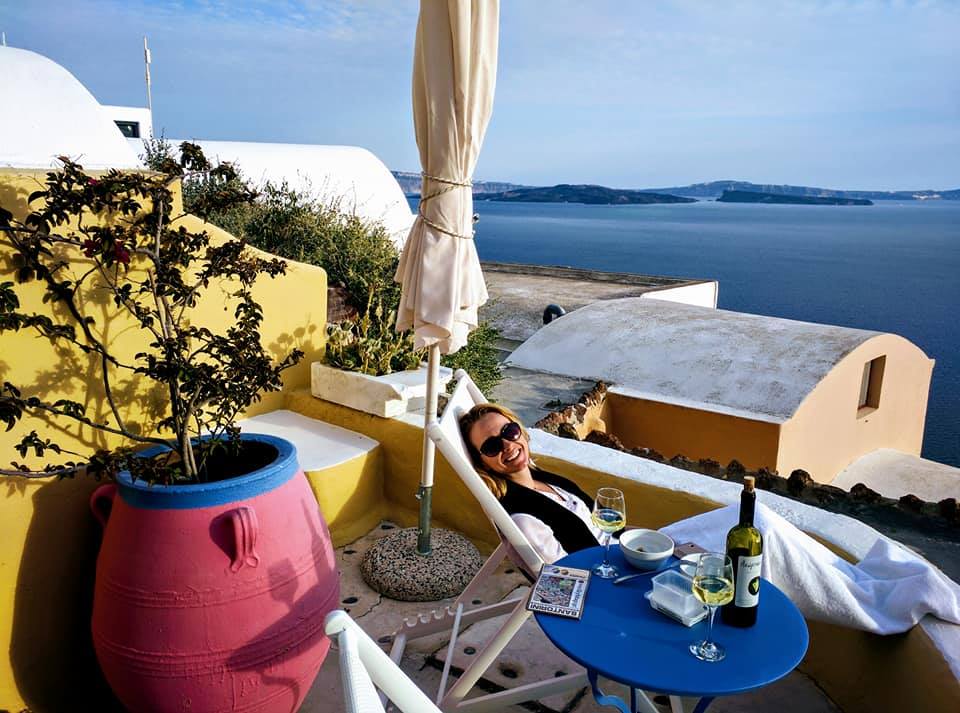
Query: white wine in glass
(608, 519)
(712, 585)
(609, 515)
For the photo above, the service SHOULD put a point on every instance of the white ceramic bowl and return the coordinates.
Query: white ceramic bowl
(645, 549)
(688, 564)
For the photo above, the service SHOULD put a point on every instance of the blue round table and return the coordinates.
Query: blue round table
(622, 638)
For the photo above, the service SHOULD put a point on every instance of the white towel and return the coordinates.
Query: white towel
(887, 592)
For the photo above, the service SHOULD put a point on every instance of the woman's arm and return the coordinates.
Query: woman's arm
(540, 536)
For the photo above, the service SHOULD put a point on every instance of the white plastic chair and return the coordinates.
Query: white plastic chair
(446, 434)
(363, 664)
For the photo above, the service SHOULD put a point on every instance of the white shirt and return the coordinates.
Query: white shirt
(540, 534)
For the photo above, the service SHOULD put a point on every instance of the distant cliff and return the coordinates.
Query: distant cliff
(756, 197)
(714, 189)
(410, 184)
(567, 193)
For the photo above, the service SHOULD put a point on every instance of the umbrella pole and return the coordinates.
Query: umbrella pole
(425, 492)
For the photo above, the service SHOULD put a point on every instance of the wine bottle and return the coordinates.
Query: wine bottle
(745, 548)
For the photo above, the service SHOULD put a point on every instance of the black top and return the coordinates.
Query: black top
(570, 531)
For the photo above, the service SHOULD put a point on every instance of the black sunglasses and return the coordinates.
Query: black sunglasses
(492, 446)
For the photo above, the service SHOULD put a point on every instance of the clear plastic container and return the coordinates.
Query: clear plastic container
(672, 594)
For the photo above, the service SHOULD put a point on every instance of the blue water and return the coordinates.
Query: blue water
(892, 267)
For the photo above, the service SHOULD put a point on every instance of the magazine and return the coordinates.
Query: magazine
(560, 590)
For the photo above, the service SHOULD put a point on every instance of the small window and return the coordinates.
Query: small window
(870, 384)
(130, 129)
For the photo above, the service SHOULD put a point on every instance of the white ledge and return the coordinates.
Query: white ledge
(386, 396)
(319, 444)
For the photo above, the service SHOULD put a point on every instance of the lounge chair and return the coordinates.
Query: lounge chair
(363, 664)
(446, 434)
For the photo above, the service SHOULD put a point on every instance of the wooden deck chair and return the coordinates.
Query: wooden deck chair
(363, 664)
(446, 434)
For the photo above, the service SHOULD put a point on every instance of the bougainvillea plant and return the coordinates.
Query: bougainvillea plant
(113, 237)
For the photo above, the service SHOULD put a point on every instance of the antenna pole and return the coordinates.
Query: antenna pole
(146, 62)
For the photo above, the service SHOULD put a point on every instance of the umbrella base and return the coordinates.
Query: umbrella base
(393, 567)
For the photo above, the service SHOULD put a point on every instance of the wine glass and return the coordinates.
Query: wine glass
(610, 515)
(712, 585)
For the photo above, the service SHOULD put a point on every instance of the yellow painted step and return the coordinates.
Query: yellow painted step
(344, 469)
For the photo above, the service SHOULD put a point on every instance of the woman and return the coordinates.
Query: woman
(552, 512)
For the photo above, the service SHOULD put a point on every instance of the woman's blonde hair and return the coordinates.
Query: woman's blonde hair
(496, 482)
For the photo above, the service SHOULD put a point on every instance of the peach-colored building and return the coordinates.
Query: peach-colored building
(769, 392)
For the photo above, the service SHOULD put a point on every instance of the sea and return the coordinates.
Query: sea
(889, 267)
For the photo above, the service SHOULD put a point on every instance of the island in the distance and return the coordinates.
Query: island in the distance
(592, 195)
(756, 197)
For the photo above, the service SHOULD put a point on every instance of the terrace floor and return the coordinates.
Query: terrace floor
(529, 657)
(519, 293)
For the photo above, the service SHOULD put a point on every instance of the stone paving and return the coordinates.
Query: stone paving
(519, 293)
(529, 657)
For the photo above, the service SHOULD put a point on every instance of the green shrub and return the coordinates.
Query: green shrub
(354, 253)
(479, 358)
(159, 155)
(211, 198)
(287, 223)
(357, 254)
(361, 257)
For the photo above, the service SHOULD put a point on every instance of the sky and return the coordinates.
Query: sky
(839, 94)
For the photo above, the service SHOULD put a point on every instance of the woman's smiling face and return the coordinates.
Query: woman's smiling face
(514, 455)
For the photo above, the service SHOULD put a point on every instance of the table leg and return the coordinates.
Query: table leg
(640, 702)
(702, 705)
(681, 705)
(603, 699)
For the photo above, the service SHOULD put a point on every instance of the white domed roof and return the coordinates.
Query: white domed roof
(348, 175)
(49, 113)
(711, 359)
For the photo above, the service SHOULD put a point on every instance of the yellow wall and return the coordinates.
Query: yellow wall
(49, 543)
(453, 505)
(647, 506)
(401, 446)
(696, 434)
(866, 673)
(350, 496)
(826, 433)
(41, 370)
(47, 561)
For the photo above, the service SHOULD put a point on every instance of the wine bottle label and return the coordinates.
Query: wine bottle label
(748, 581)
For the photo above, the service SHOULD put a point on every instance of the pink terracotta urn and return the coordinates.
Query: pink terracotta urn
(211, 597)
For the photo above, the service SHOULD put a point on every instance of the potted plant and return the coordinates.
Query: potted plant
(371, 367)
(216, 568)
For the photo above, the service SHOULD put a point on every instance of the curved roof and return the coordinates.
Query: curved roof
(893, 474)
(348, 174)
(743, 364)
(49, 113)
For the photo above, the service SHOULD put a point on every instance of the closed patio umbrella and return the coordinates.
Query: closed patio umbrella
(454, 73)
